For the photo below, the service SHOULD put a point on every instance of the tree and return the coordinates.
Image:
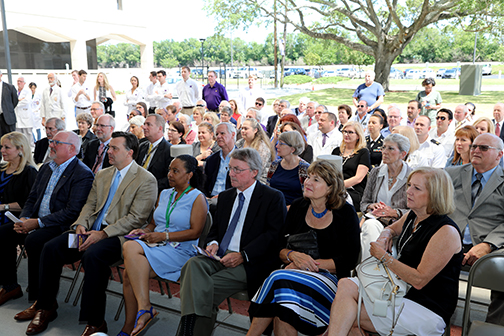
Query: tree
(380, 28)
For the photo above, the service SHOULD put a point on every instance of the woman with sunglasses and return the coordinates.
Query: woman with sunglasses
(464, 137)
(430, 99)
(356, 160)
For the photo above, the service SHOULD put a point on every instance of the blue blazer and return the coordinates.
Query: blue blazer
(261, 232)
(67, 199)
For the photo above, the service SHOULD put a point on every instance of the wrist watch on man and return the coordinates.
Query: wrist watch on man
(6, 207)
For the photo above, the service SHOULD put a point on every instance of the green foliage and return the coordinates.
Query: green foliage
(118, 55)
(297, 79)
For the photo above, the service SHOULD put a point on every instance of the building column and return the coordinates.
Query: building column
(78, 54)
(147, 56)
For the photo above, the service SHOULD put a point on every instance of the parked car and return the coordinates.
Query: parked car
(428, 73)
(329, 73)
(413, 74)
(346, 72)
(294, 71)
(406, 71)
(396, 74)
(440, 72)
(487, 69)
(450, 73)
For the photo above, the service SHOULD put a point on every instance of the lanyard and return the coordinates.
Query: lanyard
(171, 207)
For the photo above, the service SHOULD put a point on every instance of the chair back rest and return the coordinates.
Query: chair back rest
(488, 272)
(206, 229)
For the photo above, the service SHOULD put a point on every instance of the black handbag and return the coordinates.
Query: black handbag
(305, 242)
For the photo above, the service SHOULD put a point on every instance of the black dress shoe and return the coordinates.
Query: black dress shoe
(10, 295)
(41, 321)
(92, 329)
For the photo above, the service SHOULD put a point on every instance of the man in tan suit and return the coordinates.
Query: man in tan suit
(122, 198)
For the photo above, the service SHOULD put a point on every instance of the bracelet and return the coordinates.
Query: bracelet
(288, 255)
(167, 236)
(383, 257)
(147, 229)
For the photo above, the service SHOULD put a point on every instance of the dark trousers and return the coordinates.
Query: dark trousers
(4, 128)
(152, 110)
(34, 243)
(96, 261)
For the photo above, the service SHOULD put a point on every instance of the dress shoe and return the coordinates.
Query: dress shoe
(92, 329)
(41, 321)
(29, 314)
(11, 295)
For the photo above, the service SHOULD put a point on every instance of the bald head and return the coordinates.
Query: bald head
(498, 112)
(486, 152)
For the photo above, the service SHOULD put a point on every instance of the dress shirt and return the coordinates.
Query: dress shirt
(234, 244)
(214, 95)
(57, 171)
(153, 151)
(149, 95)
(123, 172)
(384, 194)
(220, 182)
(105, 149)
(447, 140)
(428, 154)
(247, 98)
(410, 123)
(83, 101)
(188, 92)
(158, 95)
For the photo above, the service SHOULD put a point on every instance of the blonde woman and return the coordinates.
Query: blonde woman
(206, 145)
(484, 125)
(253, 136)
(356, 160)
(103, 90)
(212, 118)
(198, 113)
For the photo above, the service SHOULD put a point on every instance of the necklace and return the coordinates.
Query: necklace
(318, 215)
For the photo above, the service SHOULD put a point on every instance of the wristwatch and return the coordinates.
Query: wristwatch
(6, 207)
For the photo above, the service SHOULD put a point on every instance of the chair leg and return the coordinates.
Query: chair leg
(21, 255)
(168, 290)
(161, 287)
(230, 309)
(79, 293)
(119, 309)
(74, 282)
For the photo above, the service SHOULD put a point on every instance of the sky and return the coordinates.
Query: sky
(194, 23)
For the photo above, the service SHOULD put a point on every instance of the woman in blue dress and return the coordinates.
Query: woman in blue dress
(165, 244)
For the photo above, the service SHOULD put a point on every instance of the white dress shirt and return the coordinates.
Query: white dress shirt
(188, 92)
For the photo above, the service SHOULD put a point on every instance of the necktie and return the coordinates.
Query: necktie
(99, 158)
(309, 122)
(476, 188)
(231, 228)
(113, 188)
(497, 129)
(147, 159)
(50, 91)
(324, 138)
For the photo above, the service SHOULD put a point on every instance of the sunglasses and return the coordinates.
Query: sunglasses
(259, 104)
(483, 148)
(361, 105)
(442, 118)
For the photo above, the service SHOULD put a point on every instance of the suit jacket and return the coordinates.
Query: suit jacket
(67, 198)
(91, 154)
(212, 171)
(261, 230)
(23, 110)
(9, 103)
(131, 206)
(52, 104)
(40, 150)
(159, 163)
(270, 126)
(486, 217)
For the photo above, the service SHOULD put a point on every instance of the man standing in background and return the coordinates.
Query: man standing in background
(9, 98)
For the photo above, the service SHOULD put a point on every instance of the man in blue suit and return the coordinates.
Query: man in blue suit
(9, 102)
(56, 199)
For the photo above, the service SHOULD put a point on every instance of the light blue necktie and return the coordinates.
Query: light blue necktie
(113, 188)
(231, 228)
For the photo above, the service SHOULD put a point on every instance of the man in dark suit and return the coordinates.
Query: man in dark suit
(42, 150)
(122, 199)
(96, 156)
(278, 106)
(9, 102)
(480, 218)
(498, 121)
(154, 155)
(56, 198)
(248, 223)
(217, 177)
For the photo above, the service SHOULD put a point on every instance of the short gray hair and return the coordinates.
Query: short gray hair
(86, 117)
(285, 101)
(227, 109)
(137, 121)
(159, 120)
(295, 140)
(75, 140)
(230, 128)
(99, 103)
(251, 157)
(401, 141)
(58, 123)
(111, 119)
(187, 118)
(323, 106)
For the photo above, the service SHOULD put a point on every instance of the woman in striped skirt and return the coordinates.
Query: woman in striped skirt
(298, 298)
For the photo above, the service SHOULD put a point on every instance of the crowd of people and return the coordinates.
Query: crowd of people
(286, 226)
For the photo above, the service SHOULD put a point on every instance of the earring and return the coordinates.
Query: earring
(20, 154)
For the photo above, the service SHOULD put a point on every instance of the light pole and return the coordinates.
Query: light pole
(202, 40)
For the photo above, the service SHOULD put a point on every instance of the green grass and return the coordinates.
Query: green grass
(335, 97)
(297, 79)
(330, 80)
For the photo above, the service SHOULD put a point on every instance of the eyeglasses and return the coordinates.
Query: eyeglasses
(200, 105)
(237, 170)
(348, 132)
(95, 109)
(483, 148)
(442, 118)
(280, 143)
(318, 112)
(57, 143)
(172, 130)
(102, 125)
(259, 104)
(275, 104)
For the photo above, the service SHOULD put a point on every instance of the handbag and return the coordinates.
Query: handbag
(382, 287)
(305, 242)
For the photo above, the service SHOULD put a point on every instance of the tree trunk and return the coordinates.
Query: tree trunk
(383, 63)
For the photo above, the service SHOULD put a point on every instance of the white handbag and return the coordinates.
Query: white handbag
(382, 287)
